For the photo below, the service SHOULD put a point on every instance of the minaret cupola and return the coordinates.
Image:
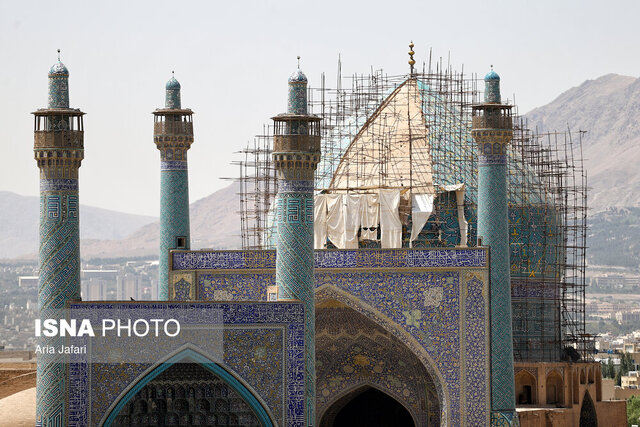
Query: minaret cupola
(58, 85)
(172, 97)
(492, 87)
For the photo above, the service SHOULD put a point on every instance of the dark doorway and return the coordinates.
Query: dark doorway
(373, 408)
(588, 417)
(525, 397)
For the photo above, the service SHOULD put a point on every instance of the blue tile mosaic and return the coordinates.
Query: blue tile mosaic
(415, 291)
(170, 165)
(172, 98)
(58, 86)
(263, 344)
(58, 185)
(59, 254)
(493, 227)
(174, 220)
(361, 258)
(492, 87)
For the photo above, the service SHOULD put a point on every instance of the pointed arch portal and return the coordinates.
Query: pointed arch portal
(588, 416)
(355, 356)
(188, 389)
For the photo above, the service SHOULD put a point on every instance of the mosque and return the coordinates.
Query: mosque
(400, 292)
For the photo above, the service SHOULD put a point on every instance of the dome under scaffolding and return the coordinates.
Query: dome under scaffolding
(412, 134)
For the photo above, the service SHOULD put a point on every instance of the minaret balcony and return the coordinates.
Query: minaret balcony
(59, 139)
(492, 122)
(296, 143)
(173, 128)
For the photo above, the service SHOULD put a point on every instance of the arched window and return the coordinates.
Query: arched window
(555, 389)
(588, 417)
(173, 383)
(526, 388)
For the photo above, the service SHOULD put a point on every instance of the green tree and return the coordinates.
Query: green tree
(626, 363)
(608, 370)
(619, 378)
(611, 370)
(633, 410)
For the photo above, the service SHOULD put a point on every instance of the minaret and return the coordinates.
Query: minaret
(492, 129)
(296, 153)
(173, 135)
(58, 149)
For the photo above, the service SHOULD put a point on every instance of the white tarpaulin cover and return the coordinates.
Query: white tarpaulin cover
(390, 225)
(398, 159)
(335, 220)
(340, 216)
(320, 221)
(421, 208)
(351, 215)
(462, 221)
(342, 219)
(370, 219)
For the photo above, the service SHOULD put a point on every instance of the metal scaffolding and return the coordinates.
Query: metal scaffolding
(413, 133)
(548, 224)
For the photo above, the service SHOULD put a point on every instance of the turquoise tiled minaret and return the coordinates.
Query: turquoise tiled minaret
(58, 150)
(173, 135)
(492, 130)
(296, 153)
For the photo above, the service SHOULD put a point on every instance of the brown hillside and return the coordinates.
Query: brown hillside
(608, 108)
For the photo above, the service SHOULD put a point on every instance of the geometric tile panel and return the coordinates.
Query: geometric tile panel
(182, 287)
(427, 298)
(422, 258)
(263, 345)
(59, 282)
(294, 271)
(174, 220)
(493, 228)
(349, 347)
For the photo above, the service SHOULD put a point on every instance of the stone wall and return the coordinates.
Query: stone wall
(15, 380)
(612, 413)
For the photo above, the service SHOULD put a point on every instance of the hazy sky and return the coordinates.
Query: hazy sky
(233, 58)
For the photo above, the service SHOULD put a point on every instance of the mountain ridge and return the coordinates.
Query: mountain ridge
(19, 219)
(608, 109)
(110, 234)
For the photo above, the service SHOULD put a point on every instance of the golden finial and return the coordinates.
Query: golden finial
(412, 62)
(58, 55)
(298, 62)
(173, 74)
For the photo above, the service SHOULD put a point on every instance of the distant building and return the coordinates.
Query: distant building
(28, 282)
(129, 286)
(616, 281)
(631, 380)
(99, 285)
(624, 317)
